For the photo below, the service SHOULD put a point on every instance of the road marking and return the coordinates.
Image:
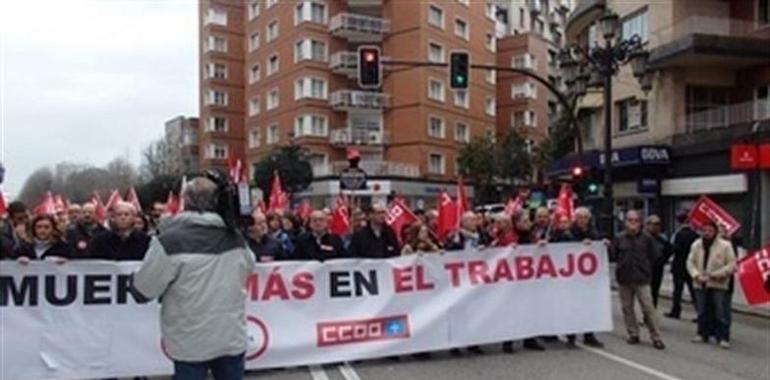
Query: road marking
(348, 372)
(317, 373)
(624, 361)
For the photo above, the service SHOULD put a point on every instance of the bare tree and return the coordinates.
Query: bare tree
(40, 181)
(158, 161)
(121, 173)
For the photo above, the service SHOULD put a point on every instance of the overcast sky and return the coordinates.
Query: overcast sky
(87, 81)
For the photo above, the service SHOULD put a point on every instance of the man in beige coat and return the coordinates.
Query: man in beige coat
(711, 263)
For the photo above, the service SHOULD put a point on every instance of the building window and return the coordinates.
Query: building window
(435, 52)
(461, 98)
(269, 3)
(216, 43)
(272, 64)
(524, 119)
(216, 17)
(490, 42)
(217, 98)
(308, 49)
(491, 76)
(524, 61)
(461, 29)
(632, 115)
(254, 74)
(436, 16)
(706, 108)
(635, 24)
(254, 41)
(254, 106)
(217, 151)
(526, 90)
(436, 163)
(311, 125)
(273, 134)
(461, 133)
(216, 124)
(216, 71)
(315, 88)
(763, 12)
(254, 138)
(253, 9)
(489, 106)
(464, 2)
(436, 90)
(762, 110)
(310, 11)
(273, 100)
(436, 127)
(272, 31)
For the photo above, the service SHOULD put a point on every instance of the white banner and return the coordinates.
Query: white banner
(78, 320)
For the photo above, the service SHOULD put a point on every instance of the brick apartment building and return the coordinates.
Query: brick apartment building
(274, 73)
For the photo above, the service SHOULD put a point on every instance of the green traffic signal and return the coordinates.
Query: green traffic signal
(459, 64)
(593, 187)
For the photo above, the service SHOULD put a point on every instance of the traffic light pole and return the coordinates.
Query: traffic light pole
(528, 73)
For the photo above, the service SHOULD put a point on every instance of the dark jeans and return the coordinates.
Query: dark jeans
(657, 279)
(680, 280)
(712, 319)
(222, 368)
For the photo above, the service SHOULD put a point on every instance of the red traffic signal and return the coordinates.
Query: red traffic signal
(577, 171)
(369, 67)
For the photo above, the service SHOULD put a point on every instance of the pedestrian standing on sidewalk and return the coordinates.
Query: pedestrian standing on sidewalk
(711, 264)
(654, 227)
(635, 252)
(682, 241)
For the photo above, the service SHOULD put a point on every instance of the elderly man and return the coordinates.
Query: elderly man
(123, 242)
(80, 234)
(635, 253)
(542, 227)
(318, 243)
(467, 236)
(199, 265)
(376, 240)
(264, 246)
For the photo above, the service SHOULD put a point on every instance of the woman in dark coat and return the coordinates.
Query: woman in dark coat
(47, 242)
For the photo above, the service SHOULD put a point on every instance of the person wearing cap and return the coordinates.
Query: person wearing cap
(376, 240)
(681, 241)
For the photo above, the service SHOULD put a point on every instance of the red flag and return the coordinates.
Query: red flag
(513, 206)
(304, 209)
(462, 201)
(3, 205)
(59, 204)
(134, 199)
(340, 222)
(236, 170)
(100, 212)
(279, 200)
(447, 215)
(565, 207)
(172, 204)
(706, 209)
(399, 215)
(114, 199)
(753, 274)
(47, 206)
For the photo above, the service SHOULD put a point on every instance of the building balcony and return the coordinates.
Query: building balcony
(535, 6)
(585, 13)
(710, 41)
(346, 100)
(344, 137)
(359, 28)
(372, 168)
(722, 117)
(501, 29)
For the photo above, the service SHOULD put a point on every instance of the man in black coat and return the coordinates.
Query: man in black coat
(122, 242)
(80, 235)
(654, 227)
(682, 241)
(262, 244)
(318, 243)
(377, 240)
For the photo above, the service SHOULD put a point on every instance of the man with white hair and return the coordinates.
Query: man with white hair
(123, 242)
(467, 236)
(318, 243)
(376, 240)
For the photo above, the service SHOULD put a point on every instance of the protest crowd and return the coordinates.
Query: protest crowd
(703, 261)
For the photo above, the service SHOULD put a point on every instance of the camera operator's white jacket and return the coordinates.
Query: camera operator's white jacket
(198, 268)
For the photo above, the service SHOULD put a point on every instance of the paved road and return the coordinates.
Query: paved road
(749, 358)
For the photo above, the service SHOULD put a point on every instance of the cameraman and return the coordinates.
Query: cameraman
(198, 267)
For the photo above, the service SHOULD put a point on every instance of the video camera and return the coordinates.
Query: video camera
(233, 200)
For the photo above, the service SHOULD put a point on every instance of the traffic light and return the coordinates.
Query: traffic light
(369, 67)
(577, 173)
(592, 188)
(458, 70)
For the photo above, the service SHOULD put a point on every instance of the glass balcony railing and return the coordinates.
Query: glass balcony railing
(347, 136)
(352, 99)
(359, 27)
(726, 116)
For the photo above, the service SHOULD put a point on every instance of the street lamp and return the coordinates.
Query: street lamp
(586, 66)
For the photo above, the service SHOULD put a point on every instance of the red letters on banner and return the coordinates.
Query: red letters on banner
(753, 274)
(705, 209)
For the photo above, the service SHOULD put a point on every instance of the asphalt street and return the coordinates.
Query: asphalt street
(749, 358)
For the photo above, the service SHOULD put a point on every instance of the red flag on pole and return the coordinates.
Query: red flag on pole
(279, 200)
(706, 209)
(513, 205)
(304, 209)
(340, 222)
(172, 204)
(47, 206)
(565, 206)
(462, 201)
(754, 274)
(114, 199)
(134, 199)
(399, 215)
(99, 210)
(447, 215)
(59, 204)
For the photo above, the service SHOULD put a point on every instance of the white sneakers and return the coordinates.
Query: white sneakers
(724, 344)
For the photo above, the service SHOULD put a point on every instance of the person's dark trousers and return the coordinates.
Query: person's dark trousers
(676, 300)
(657, 279)
(222, 368)
(711, 314)
(728, 313)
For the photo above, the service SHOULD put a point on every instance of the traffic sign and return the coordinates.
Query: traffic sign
(353, 179)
